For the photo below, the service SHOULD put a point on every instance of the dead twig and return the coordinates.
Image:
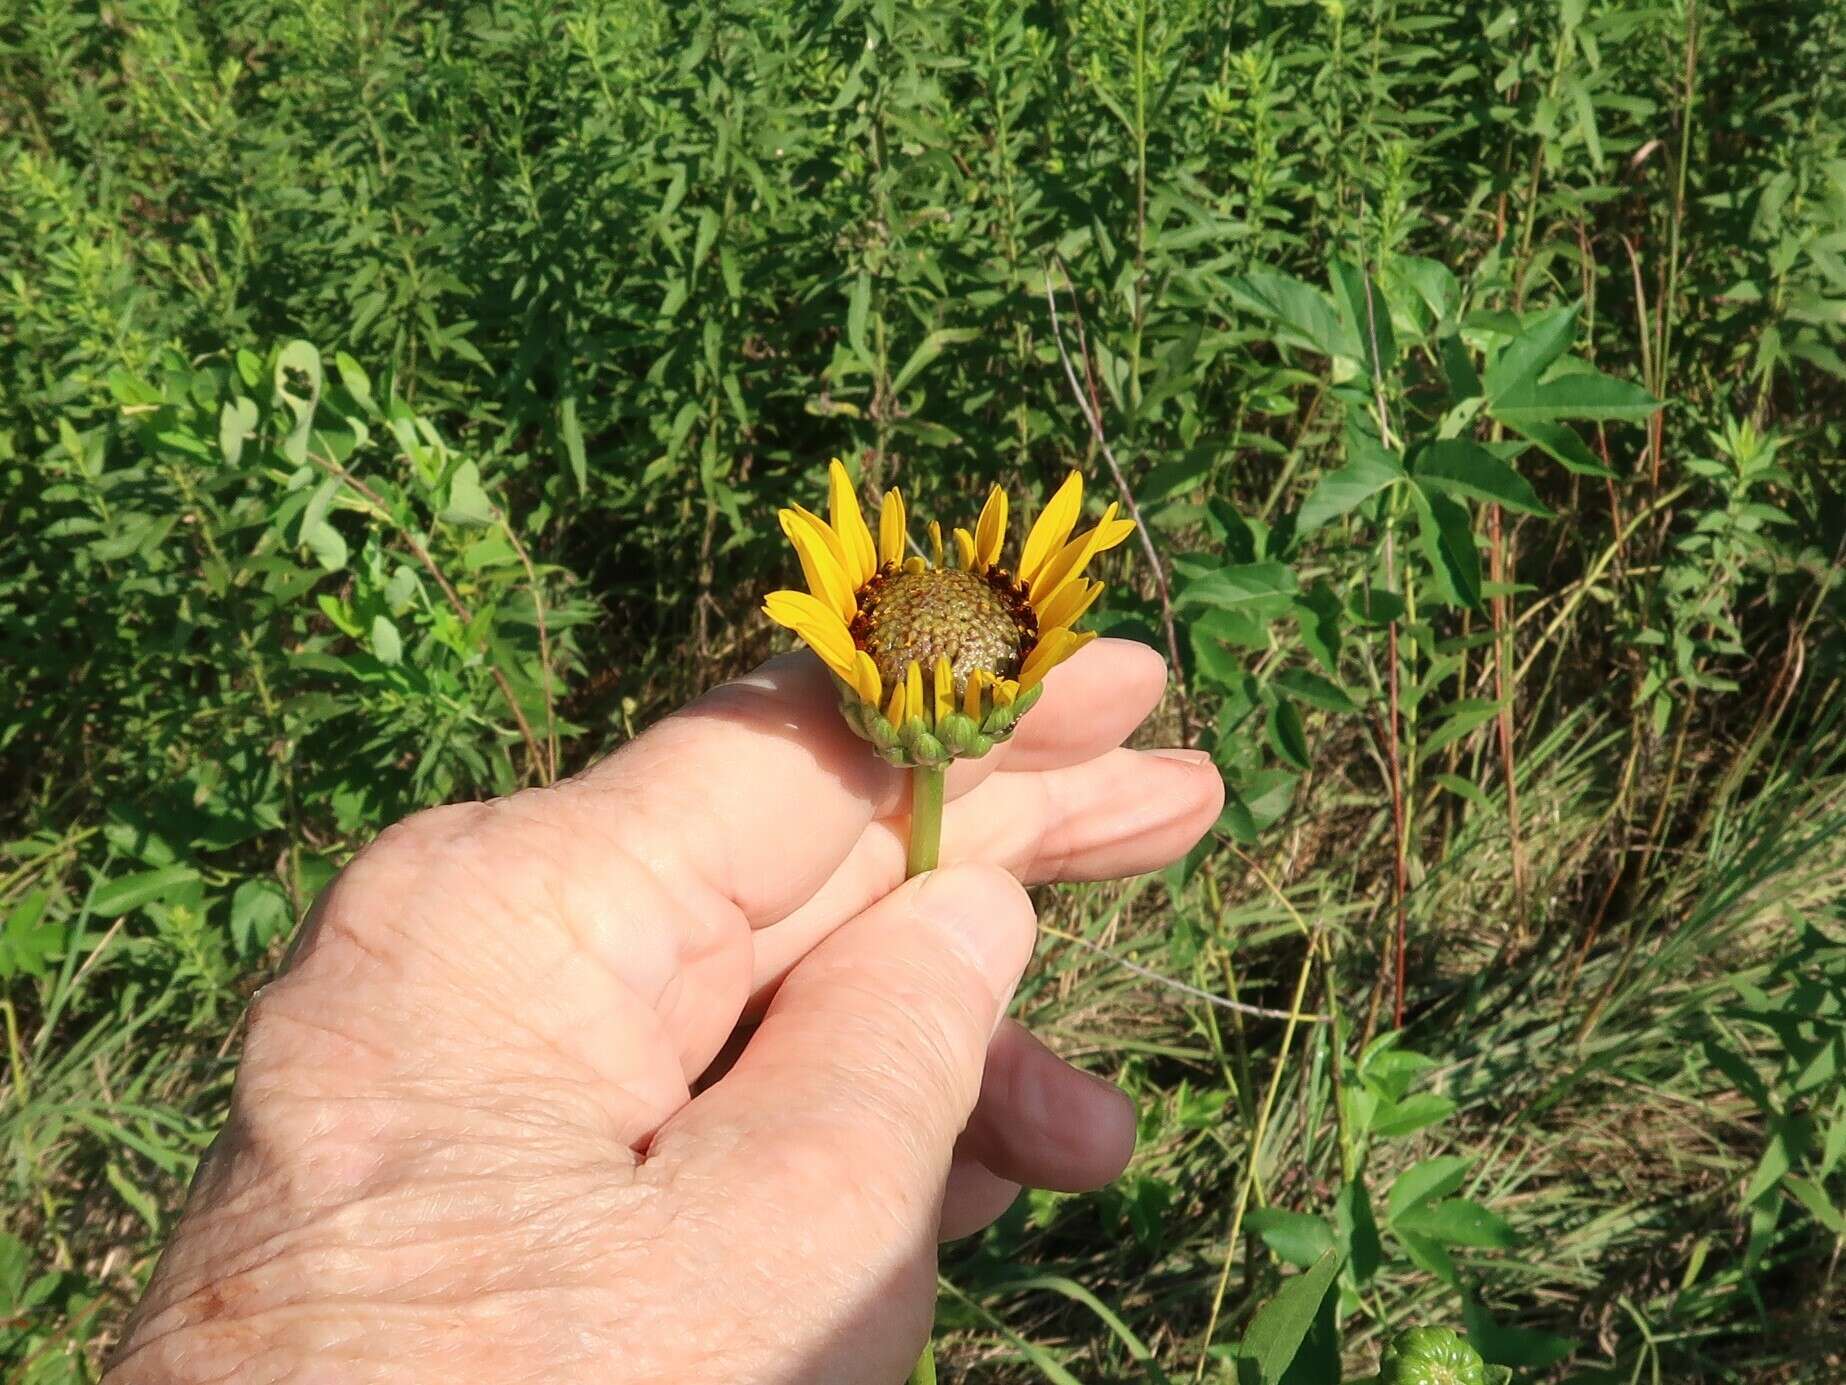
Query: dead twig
(1090, 403)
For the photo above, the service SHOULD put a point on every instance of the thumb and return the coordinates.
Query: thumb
(829, 1141)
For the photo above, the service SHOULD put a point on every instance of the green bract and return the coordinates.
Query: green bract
(915, 745)
(1431, 1356)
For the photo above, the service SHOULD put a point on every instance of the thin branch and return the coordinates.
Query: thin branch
(1090, 405)
(1210, 998)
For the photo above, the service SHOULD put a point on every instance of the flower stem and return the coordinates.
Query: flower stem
(925, 848)
(925, 818)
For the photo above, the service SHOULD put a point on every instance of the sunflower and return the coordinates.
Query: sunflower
(938, 660)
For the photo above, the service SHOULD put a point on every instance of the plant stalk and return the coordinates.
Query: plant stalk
(925, 848)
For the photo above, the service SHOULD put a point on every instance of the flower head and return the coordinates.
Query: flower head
(939, 659)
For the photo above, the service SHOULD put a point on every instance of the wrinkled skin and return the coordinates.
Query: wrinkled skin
(476, 1136)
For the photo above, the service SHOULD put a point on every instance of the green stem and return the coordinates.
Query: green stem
(925, 818)
(925, 848)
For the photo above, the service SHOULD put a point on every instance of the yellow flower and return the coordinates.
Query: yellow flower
(940, 659)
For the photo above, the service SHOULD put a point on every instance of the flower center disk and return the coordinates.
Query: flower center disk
(916, 617)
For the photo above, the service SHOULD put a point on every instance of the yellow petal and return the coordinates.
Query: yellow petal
(849, 524)
(894, 709)
(823, 531)
(1053, 649)
(1052, 527)
(1071, 559)
(935, 542)
(1068, 606)
(868, 684)
(990, 531)
(913, 691)
(916, 564)
(945, 689)
(1006, 691)
(964, 548)
(891, 528)
(826, 578)
(971, 694)
(822, 630)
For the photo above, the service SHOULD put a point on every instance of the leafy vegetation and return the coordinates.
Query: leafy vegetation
(394, 400)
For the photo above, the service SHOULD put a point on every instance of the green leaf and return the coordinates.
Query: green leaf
(385, 641)
(468, 503)
(1339, 492)
(570, 433)
(1588, 394)
(1369, 314)
(1521, 361)
(1427, 1180)
(130, 892)
(1511, 1346)
(1411, 1114)
(1296, 1237)
(236, 425)
(1456, 1221)
(1463, 467)
(1307, 314)
(1280, 1326)
(930, 349)
(1358, 1228)
(1316, 691)
(1262, 590)
(1562, 445)
(1446, 534)
(1431, 1256)
(1286, 736)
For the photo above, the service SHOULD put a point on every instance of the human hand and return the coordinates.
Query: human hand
(469, 1138)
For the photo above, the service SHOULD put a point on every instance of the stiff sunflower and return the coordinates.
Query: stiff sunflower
(938, 660)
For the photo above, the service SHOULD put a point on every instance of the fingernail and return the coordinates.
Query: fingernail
(1185, 757)
(985, 914)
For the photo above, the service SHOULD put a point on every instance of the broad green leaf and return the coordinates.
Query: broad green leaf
(1316, 691)
(385, 641)
(1562, 445)
(1588, 394)
(931, 348)
(129, 892)
(1428, 1179)
(1511, 1346)
(1446, 534)
(1430, 1255)
(1341, 491)
(1358, 1230)
(1296, 1237)
(236, 425)
(1280, 1326)
(1262, 590)
(1411, 1114)
(1286, 736)
(1306, 314)
(1542, 339)
(468, 503)
(1368, 313)
(1456, 1221)
(1464, 467)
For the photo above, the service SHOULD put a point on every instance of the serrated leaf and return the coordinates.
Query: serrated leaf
(1587, 395)
(1345, 489)
(1541, 340)
(1446, 534)
(1464, 467)
(1262, 590)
